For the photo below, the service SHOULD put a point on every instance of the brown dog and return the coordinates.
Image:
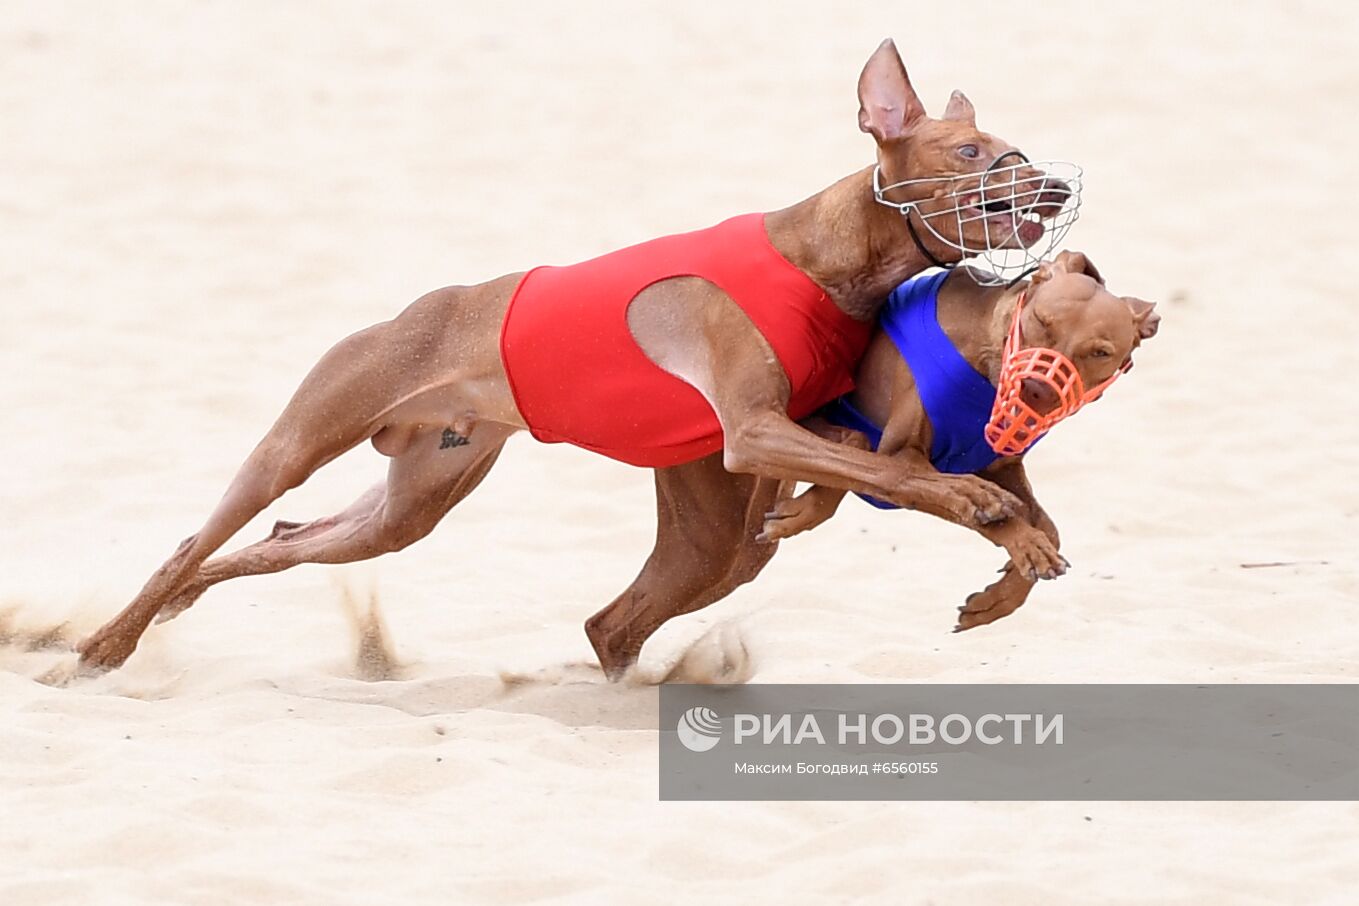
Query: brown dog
(431, 390)
(1069, 310)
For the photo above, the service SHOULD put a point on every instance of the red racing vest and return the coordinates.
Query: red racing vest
(578, 376)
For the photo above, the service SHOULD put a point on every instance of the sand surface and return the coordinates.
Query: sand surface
(198, 199)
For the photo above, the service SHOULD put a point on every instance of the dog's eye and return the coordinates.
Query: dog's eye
(1099, 353)
(971, 152)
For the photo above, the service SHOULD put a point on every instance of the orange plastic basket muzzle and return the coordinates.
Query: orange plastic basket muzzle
(1014, 424)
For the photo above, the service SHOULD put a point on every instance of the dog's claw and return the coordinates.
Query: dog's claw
(994, 515)
(974, 501)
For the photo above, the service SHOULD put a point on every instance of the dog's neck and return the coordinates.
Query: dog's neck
(977, 319)
(853, 247)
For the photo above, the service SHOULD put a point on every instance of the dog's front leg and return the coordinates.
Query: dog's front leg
(1033, 544)
(795, 515)
(693, 330)
(767, 443)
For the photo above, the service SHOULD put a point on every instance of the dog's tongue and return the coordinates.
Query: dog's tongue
(1030, 231)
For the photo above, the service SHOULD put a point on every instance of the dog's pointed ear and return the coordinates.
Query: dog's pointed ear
(960, 109)
(1077, 263)
(1043, 273)
(1144, 316)
(888, 105)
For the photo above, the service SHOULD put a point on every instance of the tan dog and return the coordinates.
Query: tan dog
(430, 390)
(1069, 310)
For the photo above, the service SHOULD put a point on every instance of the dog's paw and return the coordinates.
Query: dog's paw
(106, 649)
(976, 502)
(789, 517)
(999, 599)
(1034, 555)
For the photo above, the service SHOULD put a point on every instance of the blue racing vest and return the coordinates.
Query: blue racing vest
(957, 398)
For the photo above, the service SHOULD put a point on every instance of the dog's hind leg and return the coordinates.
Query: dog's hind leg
(338, 405)
(438, 359)
(424, 482)
(707, 520)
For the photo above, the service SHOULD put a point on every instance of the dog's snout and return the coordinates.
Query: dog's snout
(1038, 395)
(1028, 189)
(1053, 194)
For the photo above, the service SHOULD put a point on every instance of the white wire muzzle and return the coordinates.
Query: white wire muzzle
(1012, 217)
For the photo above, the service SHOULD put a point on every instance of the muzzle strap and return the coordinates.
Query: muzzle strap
(915, 237)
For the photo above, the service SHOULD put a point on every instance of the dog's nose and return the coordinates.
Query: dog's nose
(1043, 193)
(1038, 395)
